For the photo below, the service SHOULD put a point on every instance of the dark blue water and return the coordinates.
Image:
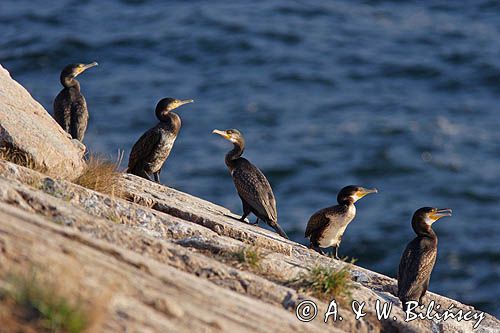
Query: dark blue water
(395, 95)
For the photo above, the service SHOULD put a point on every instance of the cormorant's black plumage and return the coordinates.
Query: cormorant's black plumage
(153, 147)
(419, 257)
(70, 108)
(326, 227)
(253, 187)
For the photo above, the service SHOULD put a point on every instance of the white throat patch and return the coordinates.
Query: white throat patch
(355, 197)
(429, 221)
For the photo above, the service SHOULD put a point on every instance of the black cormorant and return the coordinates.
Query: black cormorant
(418, 259)
(70, 108)
(253, 188)
(153, 147)
(326, 227)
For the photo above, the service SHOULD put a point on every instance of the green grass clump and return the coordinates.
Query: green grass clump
(250, 256)
(34, 182)
(51, 311)
(326, 282)
(113, 217)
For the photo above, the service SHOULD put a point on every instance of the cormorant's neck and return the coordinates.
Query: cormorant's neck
(346, 201)
(424, 230)
(164, 117)
(69, 82)
(235, 153)
(171, 119)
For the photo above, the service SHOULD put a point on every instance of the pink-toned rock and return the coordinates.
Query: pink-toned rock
(26, 127)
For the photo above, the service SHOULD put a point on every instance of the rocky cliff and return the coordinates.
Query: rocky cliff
(28, 130)
(153, 259)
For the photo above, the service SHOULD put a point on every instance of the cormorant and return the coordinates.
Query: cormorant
(70, 108)
(326, 227)
(418, 259)
(153, 147)
(253, 188)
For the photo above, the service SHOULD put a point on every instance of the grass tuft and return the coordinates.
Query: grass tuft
(101, 175)
(113, 217)
(250, 256)
(19, 157)
(34, 182)
(326, 283)
(41, 305)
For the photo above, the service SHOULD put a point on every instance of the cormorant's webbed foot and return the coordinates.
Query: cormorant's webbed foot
(317, 249)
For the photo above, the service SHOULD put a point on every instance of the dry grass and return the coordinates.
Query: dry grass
(101, 175)
(35, 305)
(326, 283)
(16, 156)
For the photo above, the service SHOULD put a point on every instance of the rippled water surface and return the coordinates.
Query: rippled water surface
(399, 96)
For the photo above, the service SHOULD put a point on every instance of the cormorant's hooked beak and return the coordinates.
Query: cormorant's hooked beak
(221, 133)
(439, 213)
(186, 101)
(92, 64)
(364, 191)
(85, 67)
(181, 102)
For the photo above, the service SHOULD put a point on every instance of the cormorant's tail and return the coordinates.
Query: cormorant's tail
(279, 230)
(404, 304)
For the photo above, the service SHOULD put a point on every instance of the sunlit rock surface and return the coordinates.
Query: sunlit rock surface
(160, 260)
(26, 127)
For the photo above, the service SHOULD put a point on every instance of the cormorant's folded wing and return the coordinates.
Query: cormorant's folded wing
(316, 222)
(79, 118)
(254, 188)
(62, 111)
(321, 218)
(415, 268)
(143, 148)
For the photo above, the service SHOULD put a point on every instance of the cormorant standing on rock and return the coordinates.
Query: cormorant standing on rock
(418, 259)
(326, 227)
(253, 188)
(70, 108)
(153, 147)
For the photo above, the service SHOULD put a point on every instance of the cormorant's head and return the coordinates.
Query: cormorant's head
(73, 70)
(168, 104)
(426, 216)
(232, 135)
(352, 193)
